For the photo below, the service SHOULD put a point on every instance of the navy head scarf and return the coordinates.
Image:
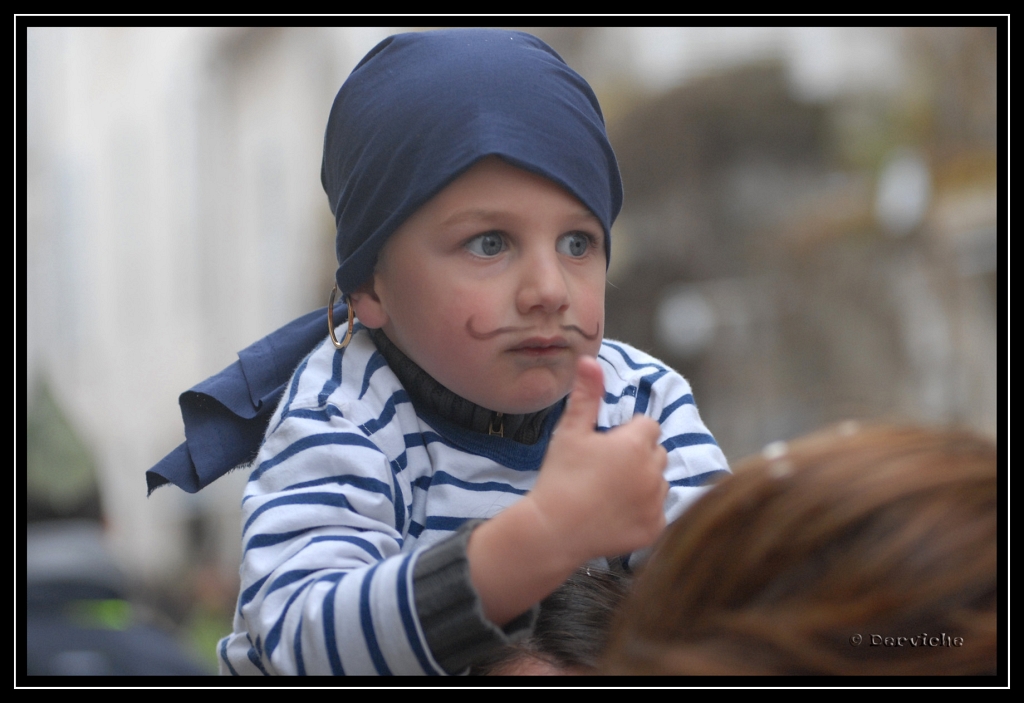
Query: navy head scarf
(417, 112)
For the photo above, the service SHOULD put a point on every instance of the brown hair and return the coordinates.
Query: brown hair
(873, 533)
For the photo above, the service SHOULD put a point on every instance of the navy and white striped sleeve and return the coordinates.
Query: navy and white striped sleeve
(325, 586)
(694, 458)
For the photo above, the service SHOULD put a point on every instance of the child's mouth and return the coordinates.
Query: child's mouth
(539, 346)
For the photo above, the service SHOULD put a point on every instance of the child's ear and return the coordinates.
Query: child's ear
(367, 305)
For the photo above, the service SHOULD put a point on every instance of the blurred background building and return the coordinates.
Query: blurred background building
(809, 234)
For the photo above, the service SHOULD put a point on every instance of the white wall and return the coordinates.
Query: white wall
(175, 215)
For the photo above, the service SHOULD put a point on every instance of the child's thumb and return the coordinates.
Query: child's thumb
(586, 395)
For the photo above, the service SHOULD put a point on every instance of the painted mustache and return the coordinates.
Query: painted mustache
(503, 330)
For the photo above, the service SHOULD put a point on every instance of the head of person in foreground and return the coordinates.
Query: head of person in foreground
(852, 551)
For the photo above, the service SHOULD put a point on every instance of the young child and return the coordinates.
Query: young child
(424, 484)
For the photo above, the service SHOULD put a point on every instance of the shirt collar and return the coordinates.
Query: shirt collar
(430, 395)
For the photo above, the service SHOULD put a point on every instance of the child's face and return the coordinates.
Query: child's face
(494, 287)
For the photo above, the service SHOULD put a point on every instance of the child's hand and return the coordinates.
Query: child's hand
(597, 495)
(601, 494)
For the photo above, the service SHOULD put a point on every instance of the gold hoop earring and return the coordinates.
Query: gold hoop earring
(330, 320)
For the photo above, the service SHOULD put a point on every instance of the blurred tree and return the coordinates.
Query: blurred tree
(60, 471)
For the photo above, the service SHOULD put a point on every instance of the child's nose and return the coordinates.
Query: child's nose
(543, 286)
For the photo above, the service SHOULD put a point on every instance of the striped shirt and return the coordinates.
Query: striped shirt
(351, 484)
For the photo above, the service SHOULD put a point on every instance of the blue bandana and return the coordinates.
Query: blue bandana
(416, 113)
(422, 108)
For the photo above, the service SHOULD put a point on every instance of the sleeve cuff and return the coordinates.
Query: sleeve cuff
(450, 610)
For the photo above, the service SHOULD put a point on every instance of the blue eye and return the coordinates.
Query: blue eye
(575, 244)
(487, 244)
